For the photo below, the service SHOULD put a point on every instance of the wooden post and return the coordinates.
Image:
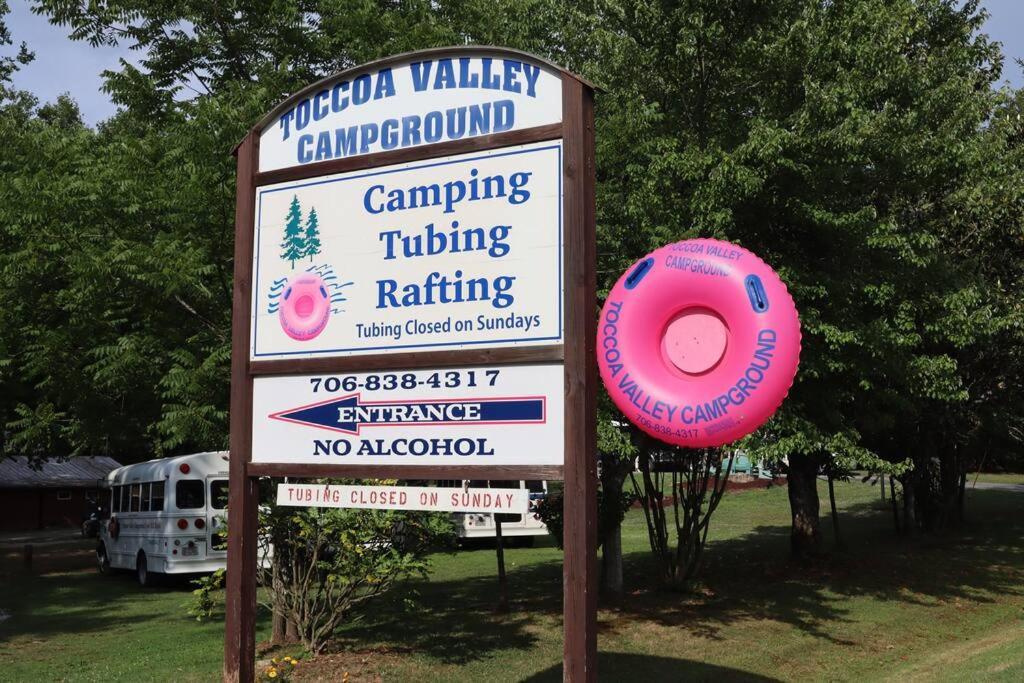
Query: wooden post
(580, 564)
(499, 541)
(240, 590)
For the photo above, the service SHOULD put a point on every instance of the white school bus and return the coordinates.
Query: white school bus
(166, 517)
(481, 525)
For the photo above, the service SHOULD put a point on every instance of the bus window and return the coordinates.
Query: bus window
(136, 496)
(157, 495)
(219, 494)
(189, 494)
(535, 486)
(144, 506)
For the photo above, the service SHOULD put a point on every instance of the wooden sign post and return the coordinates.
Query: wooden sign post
(414, 298)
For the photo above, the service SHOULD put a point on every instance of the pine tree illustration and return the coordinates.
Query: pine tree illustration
(294, 245)
(312, 237)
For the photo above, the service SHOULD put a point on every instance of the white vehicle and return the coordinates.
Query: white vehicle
(481, 525)
(166, 517)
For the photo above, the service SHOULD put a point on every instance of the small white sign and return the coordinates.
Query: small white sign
(408, 104)
(496, 415)
(457, 252)
(430, 498)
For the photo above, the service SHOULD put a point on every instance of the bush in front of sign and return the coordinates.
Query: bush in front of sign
(611, 512)
(327, 563)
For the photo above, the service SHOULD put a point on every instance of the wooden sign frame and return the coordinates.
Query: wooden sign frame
(576, 131)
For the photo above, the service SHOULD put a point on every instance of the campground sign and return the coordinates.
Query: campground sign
(512, 415)
(419, 100)
(461, 250)
(414, 299)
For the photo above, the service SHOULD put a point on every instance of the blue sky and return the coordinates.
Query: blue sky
(63, 65)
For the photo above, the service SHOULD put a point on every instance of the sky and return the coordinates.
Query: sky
(63, 65)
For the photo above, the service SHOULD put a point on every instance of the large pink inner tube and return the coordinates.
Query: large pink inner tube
(698, 343)
(305, 307)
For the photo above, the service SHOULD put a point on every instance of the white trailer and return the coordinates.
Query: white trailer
(167, 516)
(481, 525)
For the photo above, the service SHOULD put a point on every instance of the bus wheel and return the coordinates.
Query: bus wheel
(102, 559)
(142, 571)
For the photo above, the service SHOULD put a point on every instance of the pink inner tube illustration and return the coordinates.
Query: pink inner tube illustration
(305, 307)
(698, 343)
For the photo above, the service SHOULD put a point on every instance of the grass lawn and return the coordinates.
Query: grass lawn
(933, 609)
(1002, 478)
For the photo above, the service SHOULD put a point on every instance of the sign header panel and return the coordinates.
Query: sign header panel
(407, 104)
(457, 252)
(429, 498)
(499, 415)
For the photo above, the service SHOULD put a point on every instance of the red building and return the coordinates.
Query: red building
(56, 494)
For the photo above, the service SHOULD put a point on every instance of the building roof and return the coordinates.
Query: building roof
(74, 472)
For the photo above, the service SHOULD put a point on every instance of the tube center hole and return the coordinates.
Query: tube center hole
(304, 306)
(696, 341)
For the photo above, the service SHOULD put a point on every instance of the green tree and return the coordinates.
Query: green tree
(311, 238)
(830, 139)
(293, 246)
(117, 243)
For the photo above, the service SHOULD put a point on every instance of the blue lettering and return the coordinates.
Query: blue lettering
(305, 156)
(467, 79)
(385, 84)
(532, 73)
(285, 122)
(389, 134)
(361, 89)
(302, 115)
(488, 80)
(432, 126)
(345, 141)
(323, 146)
(512, 71)
(480, 119)
(368, 133)
(445, 75)
(320, 105)
(504, 116)
(410, 131)
(367, 199)
(338, 102)
(421, 75)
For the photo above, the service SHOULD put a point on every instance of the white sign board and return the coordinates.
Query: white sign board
(420, 102)
(430, 498)
(500, 415)
(456, 252)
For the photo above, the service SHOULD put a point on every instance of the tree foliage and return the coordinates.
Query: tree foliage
(863, 148)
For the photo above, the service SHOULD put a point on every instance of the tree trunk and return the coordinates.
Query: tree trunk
(835, 512)
(613, 476)
(278, 628)
(895, 509)
(960, 497)
(805, 535)
(909, 504)
(502, 606)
